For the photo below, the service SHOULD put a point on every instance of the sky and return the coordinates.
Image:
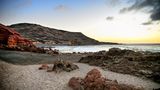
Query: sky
(122, 21)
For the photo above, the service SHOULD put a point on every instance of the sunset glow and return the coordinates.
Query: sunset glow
(128, 29)
(103, 20)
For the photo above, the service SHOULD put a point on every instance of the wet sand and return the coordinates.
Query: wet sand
(28, 58)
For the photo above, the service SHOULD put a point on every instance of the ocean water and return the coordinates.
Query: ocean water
(96, 48)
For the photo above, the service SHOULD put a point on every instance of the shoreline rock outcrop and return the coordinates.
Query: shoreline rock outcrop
(142, 64)
(12, 40)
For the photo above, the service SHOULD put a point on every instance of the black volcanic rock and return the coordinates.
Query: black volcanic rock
(47, 35)
(142, 64)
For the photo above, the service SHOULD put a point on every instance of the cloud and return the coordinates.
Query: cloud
(147, 23)
(109, 18)
(114, 2)
(152, 5)
(62, 8)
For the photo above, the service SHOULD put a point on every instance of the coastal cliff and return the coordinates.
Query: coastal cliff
(51, 36)
(11, 38)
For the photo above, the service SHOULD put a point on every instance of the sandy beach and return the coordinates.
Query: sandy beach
(28, 77)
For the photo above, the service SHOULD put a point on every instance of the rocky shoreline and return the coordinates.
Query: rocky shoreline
(126, 62)
(141, 64)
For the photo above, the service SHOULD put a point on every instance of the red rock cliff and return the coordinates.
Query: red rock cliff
(11, 38)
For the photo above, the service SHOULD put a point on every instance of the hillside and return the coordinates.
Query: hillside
(46, 35)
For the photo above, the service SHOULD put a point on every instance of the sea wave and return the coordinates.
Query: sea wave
(96, 48)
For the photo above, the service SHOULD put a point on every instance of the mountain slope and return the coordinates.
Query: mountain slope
(46, 35)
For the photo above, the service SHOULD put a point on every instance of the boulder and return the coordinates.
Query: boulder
(76, 83)
(114, 51)
(52, 52)
(95, 81)
(61, 65)
(43, 67)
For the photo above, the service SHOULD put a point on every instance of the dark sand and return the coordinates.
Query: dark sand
(27, 58)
